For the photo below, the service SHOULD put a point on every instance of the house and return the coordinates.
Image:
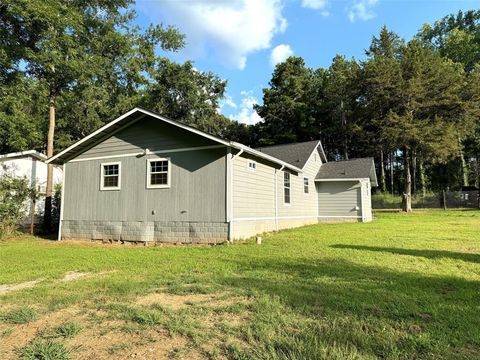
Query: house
(32, 165)
(143, 177)
(469, 197)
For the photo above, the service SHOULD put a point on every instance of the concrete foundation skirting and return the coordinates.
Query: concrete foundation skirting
(147, 231)
(246, 228)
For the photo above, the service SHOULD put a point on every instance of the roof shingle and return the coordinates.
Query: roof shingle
(348, 169)
(295, 154)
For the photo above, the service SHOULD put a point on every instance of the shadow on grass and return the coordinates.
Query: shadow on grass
(429, 254)
(373, 296)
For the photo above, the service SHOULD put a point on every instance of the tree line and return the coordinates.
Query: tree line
(68, 67)
(413, 105)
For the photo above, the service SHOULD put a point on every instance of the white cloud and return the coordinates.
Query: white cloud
(317, 5)
(280, 53)
(233, 29)
(227, 101)
(246, 114)
(361, 10)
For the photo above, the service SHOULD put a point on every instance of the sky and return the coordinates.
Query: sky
(242, 40)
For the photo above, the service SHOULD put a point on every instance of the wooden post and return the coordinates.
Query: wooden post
(32, 217)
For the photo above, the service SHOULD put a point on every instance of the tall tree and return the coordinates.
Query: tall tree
(60, 43)
(429, 109)
(286, 104)
(380, 81)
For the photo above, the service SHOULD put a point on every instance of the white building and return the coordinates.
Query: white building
(31, 164)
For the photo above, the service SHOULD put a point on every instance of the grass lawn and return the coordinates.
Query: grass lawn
(401, 287)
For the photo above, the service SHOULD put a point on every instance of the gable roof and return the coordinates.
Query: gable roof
(296, 154)
(137, 114)
(354, 169)
(21, 154)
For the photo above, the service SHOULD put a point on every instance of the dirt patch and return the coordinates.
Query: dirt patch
(175, 301)
(25, 285)
(74, 275)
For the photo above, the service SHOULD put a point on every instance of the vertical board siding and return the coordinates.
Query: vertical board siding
(147, 132)
(339, 198)
(197, 191)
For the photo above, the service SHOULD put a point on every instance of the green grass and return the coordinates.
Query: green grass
(401, 287)
(21, 315)
(44, 350)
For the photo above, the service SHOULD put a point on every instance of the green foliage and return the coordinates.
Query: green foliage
(21, 315)
(66, 330)
(44, 350)
(14, 193)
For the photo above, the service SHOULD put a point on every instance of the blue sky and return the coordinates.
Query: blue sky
(240, 40)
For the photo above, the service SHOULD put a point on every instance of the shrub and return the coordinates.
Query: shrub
(14, 193)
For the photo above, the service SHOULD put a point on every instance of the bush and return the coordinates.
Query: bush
(14, 193)
(389, 201)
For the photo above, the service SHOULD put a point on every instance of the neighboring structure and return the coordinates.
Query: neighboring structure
(30, 164)
(469, 197)
(143, 177)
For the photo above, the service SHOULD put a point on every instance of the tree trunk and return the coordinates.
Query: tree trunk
(47, 217)
(463, 163)
(423, 179)
(383, 183)
(392, 161)
(345, 138)
(414, 173)
(407, 194)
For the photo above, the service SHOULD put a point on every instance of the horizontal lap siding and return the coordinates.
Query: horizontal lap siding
(339, 198)
(148, 133)
(253, 192)
(197, 191)
(301, 204)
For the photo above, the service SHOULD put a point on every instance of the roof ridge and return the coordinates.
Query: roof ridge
(294, 143)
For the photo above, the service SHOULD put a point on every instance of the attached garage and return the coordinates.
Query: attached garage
(344, 190)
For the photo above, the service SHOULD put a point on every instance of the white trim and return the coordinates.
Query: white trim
(62, 202)
(340, 216)
(289, 203)
(228, 181)
(233, 144)
(254, 163)
(149, 152)
(296, 217)
(111, 188)
(308, 185)
(350, 179)
(149, 173)
(32, 153)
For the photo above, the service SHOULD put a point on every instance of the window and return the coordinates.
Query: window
(158, 173)
(110, 179)
(305, 185)
(252, 165)
(286, 188)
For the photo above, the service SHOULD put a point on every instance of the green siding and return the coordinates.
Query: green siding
(197, 191)
(339, 198)
(147, 132)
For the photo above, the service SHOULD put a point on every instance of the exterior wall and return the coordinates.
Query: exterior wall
(192, 209)
(256, 209)
(339, 200)
(146, 133)
(36, 172)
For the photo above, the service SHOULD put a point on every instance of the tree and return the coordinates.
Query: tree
(65, 43)
(286, 108)
(380, 81)
(429, 109)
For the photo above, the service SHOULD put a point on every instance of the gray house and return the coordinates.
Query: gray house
(143, 177)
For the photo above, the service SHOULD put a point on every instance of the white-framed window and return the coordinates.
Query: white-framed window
(158, 173)
(110, 178)
(252, 166)
(305, 185)
(286, 188)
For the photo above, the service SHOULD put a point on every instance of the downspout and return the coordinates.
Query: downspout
(62, 202)
(230, 225)
(276, 197)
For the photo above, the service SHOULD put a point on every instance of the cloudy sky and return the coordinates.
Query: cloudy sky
(242, 40)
